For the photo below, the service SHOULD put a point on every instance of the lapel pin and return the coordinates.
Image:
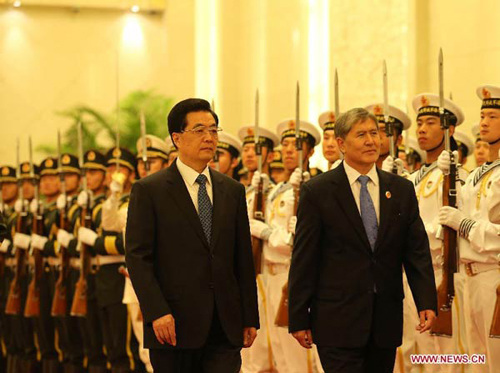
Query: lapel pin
(388, 195)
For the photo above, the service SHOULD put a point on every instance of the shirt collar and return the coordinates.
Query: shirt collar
(353, 174)
(189, 175)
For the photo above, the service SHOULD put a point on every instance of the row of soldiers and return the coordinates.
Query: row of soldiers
(92, 220)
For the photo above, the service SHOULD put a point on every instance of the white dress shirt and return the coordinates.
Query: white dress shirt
(373, 187)
(189, 176)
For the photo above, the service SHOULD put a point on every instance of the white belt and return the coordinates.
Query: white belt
(473, 268)
(103, 260)
(77, 262)
(51, 261)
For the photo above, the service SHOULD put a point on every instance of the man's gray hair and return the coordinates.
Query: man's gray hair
(345, 122)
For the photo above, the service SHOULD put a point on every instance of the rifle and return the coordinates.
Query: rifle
(281, 318)
(60, 300)
(446, 290)
(144, 152)
(3, 228)
(13, 306)
(259, 199)
(32, 307)
(79, 305)
(389, 128)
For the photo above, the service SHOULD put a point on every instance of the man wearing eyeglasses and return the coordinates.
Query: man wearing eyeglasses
(189, 254)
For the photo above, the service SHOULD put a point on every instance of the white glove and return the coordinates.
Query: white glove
(83, 199)
(87, 236)
(451, 217)
(444, 161)
(5, 246)
(388, 165)
(34, 206)
(118, 179)
(292, 223)
(260, 229)
(64, 238)
(22, 241)
(256, 180)
(61, 202)
(18, 206)
(38, 242)
(296, 178)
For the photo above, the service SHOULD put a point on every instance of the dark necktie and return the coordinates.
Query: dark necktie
(368, 214)
(204, 207)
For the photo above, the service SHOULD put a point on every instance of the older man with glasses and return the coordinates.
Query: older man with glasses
(189, 254)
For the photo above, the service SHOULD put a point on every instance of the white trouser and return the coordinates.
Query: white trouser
(479, 304)
(259, 357)
(290, 356)
(130, 299)
(415, 342)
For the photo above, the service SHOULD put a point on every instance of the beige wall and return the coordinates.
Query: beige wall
(224, 50)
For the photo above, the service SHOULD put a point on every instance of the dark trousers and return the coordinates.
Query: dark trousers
(90, 328)
(218, 355)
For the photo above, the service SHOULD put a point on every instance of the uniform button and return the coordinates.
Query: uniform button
(210, 285)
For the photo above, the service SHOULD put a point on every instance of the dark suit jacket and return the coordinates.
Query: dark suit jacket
(174, 270)
(334, 271)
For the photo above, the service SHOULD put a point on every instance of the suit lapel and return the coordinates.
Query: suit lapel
(218, 206)
(346, 201)
(386, 205)
(180, 195)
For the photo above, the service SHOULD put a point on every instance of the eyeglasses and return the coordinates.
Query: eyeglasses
(202, 131)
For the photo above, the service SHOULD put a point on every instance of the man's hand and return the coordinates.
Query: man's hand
(427, 318)
(164, 329)
(304, 337)
(249, 335)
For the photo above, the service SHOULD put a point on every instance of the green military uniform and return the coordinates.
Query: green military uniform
(10, 352)
(121, 345)
(70, 339)
(45, 333)
(90, 325)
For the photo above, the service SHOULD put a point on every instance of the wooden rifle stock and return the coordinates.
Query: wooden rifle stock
(2, 264)
(446, 290)
(60, 300)
(32, 307)
(13, 306)
(495, 323)
(258, 214)
(281, 318)
(79, 305)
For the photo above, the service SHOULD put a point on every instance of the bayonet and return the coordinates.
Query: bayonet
(144, 152)
(298, 138)
(258, 145)
(337, 105)
(389, 130)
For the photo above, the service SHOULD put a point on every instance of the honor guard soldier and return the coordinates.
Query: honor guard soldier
(465, 147)
(49, 350)
(94, 167)
(172, 150)
(121, 345)
(428, 183)
(69, 336)
(479, 243)
(399, 121)
(227, 155)
(156, 155)
(276, 167)
(29, 178)
(481, 148)
(331, 150)
(259, 357)
(277, 232)
(412, 156)
(11, 350)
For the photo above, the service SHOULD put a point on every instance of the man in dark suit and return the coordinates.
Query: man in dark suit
(189, 254)
(357, 228)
